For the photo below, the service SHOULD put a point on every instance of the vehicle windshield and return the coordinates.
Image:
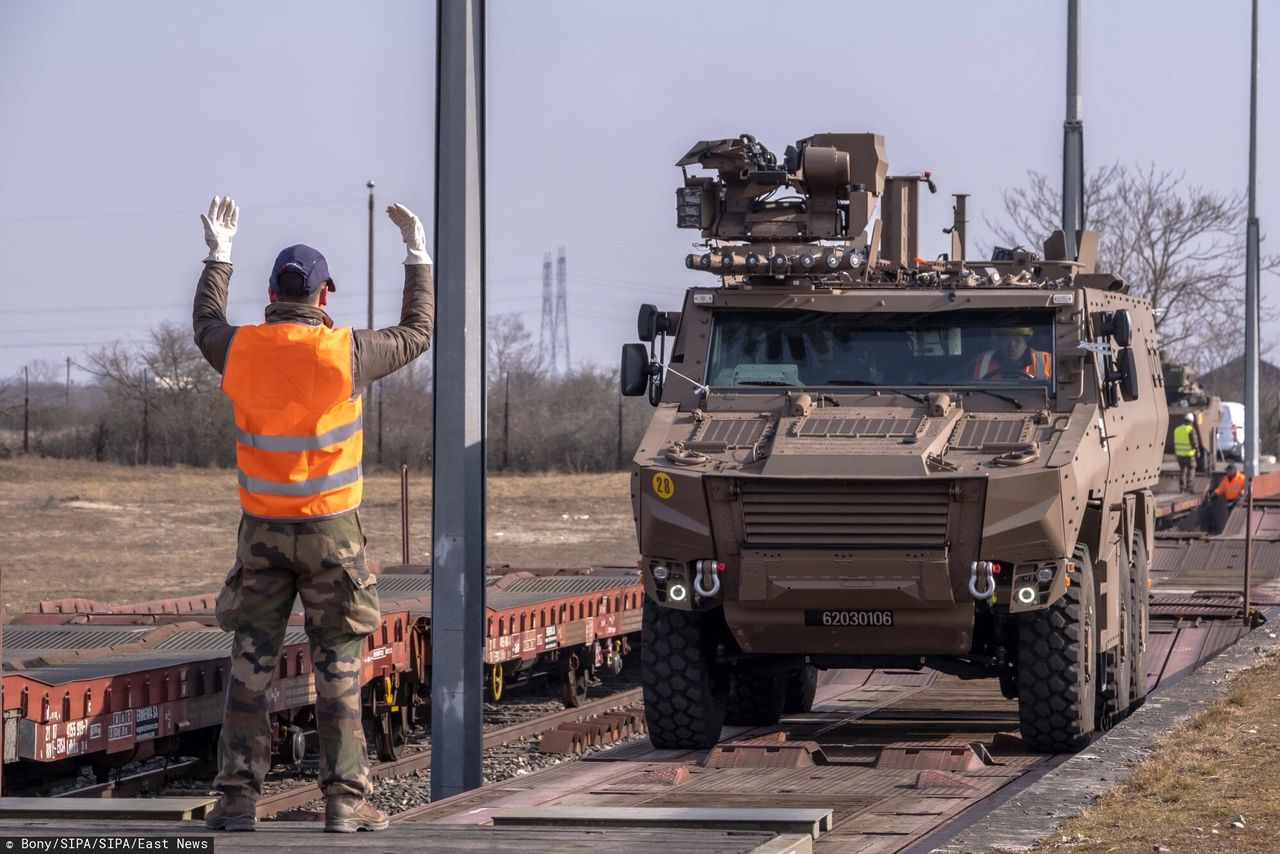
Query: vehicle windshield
(954, 348)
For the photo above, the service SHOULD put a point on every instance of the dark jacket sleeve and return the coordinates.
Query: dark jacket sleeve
(379, 352)
(209, 315)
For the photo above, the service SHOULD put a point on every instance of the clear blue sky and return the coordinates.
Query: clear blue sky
(121, 120)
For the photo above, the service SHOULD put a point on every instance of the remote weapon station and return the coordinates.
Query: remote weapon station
(860, 458)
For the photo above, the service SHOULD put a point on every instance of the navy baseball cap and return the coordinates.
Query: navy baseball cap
(307, 263)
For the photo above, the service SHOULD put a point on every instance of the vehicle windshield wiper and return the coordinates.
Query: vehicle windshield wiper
(765, 382)
(840, 381)
(1017, 404)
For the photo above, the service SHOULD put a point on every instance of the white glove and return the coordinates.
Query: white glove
(219, 227)
(415, 240)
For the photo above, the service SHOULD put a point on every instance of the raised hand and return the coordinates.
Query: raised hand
(219, 227)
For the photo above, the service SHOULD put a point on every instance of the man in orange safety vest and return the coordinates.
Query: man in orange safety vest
(294, 382)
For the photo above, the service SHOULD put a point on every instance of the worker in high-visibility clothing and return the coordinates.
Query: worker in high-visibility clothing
(1186, 446)
(1232, 485)
(294, 384)
(1012, 357)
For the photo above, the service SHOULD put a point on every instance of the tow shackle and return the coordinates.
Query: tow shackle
(703, 569)
(980, 572)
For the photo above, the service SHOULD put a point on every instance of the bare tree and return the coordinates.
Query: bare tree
(511, 348)
(1179, 245)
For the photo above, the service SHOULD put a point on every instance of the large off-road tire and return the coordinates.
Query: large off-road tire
(1057, 662)
(1139, 621)
(802, 687)
(684, 690)
(755, 699)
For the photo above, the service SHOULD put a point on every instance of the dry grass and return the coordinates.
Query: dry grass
(1218, 765)
(119, 534)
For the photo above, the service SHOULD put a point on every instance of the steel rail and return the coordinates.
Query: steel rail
(298, 796)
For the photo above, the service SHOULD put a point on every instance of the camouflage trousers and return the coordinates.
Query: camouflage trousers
(323, 562)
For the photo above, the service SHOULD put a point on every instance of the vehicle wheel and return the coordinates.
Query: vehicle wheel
(684, 692)
(802, 686)
(1057, 656)
(1139, 621)
(755, 699)
(573, 680)
(494, 682)
(389, 732)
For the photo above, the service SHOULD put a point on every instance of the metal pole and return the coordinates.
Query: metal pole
(506, 422)
(68, 382)
(1251, 304)
(1248, 550)
(146, 419)
(26, 408)
(619, 452)
(458, 565)
(1073, 137)
(404, 513)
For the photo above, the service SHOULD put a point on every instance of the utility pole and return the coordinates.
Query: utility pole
(506, 422)
(1073, 137)
(1251, 303)
(619, 456)
(146, 419)
(26, 409)
(457, 533)
(376, 388)
(68, 382)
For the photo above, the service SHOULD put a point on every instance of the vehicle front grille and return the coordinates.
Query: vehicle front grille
(856, 514)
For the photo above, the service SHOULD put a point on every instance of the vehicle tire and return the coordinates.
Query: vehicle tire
(1057, 663)
(684, 692)
(802, 686)
(1140, 621)
(755, 699)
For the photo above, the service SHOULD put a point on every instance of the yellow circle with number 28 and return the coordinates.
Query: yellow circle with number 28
(663, 486)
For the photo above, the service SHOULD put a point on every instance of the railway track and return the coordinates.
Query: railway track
(297, 797)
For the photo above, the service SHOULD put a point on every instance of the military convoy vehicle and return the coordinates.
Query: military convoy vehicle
(860, 458)
(1185, 396)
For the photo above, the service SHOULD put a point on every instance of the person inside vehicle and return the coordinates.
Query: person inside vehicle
(1013, 358)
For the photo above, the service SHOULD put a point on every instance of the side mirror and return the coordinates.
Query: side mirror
(1118, 325)
(635, 372)
(1127, 368)
(1121, 379)
(647, 322)
(651, 323)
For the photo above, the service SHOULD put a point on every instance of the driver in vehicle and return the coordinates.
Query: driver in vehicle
(1013, 358)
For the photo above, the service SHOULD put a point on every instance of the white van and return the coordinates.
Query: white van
(1231, 431)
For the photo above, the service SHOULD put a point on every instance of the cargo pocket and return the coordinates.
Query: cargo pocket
(360, 607)
(231, 599)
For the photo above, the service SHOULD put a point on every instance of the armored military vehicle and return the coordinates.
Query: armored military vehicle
(1185, 396)
(860, 458)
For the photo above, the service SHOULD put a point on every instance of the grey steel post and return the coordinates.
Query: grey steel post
(369, 184)
(1073, 137)
(1251, 305)
(457, 533)
(26, 408)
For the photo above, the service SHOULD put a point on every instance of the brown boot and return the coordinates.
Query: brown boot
(233, 812)
(349, 813)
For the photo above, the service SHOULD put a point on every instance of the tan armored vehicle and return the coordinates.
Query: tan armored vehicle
(860, 458)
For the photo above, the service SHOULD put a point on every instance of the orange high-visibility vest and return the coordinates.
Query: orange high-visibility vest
(1231, 488)
(299, 439)
(1039, 367)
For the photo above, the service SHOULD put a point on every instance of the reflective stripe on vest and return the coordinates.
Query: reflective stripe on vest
(299, 424)
(1182, 446)
(1038, 359)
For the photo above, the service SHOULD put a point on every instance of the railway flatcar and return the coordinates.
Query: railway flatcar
(86, 683)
